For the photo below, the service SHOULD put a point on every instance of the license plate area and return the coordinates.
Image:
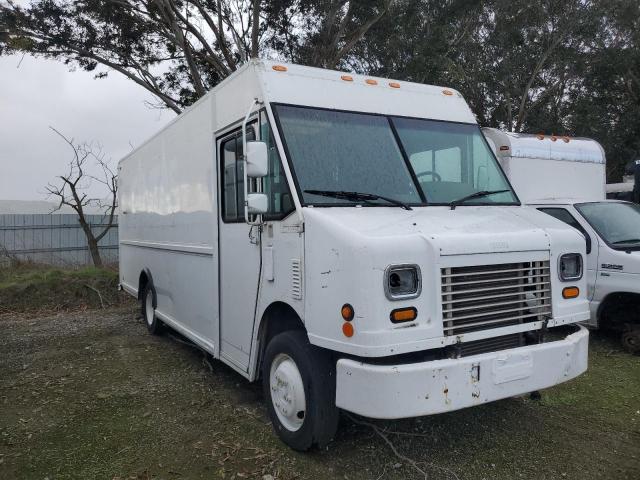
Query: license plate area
(512, 366)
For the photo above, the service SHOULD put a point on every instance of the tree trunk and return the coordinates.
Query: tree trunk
(255, 29)
(95, 252)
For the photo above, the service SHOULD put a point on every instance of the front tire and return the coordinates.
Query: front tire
(148, 310)
(631, 340)
(299, 386)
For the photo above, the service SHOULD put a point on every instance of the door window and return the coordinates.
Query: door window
(232, 169)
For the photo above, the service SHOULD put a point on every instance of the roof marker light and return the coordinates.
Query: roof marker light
(347, 78)
(566, 139)
(394, 84)
(447, 92)
(540, 136)
(279, 68)
(370, 81)
(553, 137)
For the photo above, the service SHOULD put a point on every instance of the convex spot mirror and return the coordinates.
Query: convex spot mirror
(257, 203)
(257, 159)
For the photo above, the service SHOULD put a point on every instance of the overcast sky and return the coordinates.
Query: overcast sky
(41, 93)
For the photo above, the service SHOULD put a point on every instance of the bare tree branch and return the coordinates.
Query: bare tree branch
(71, 190)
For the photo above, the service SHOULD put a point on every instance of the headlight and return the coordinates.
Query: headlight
(402, 282)
(570, 267)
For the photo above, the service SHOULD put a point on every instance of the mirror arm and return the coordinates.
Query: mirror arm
(258, 220)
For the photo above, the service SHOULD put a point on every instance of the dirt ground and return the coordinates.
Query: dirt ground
(92, 395)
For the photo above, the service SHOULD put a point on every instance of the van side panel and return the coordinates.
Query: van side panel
(168, 223)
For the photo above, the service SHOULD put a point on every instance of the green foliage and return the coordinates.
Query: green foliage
(569, 67)
(565, 67)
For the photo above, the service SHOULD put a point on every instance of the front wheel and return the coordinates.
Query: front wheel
(299, 387)
(149, 311)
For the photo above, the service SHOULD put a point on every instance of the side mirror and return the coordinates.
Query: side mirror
(257, 159)
(257, 203)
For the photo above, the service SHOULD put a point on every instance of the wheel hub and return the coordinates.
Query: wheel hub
(287, 392)
(148, 309)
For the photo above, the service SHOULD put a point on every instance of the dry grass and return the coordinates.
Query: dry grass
(89, 394)
(38, 288)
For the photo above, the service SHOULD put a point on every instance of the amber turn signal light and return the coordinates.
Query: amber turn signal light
(347, 312)
(347, 329)
(570, 292)
(400, 315)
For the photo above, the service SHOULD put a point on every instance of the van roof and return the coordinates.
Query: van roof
(546, 147)
(278, 82)
(317, 87)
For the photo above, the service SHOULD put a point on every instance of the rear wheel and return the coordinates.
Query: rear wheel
(148, 310)
(299, 387)
(631, 340)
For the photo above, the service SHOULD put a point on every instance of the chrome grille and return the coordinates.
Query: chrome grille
(491, 296)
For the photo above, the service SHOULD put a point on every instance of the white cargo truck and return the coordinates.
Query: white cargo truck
(353, 242)
(566, 178)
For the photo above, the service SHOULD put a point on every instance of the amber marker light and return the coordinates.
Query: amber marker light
(347, 312)
(279, 68)
(400, 315)
(447, 92)
(369, 81)
(566, 139)
(570, 292)
(394, 84)
(347, 78)
(347, 329)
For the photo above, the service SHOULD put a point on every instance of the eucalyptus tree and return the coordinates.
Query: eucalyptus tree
(178, 49)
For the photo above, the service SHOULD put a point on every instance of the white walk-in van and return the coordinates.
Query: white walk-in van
(566, 178)
(353, 242)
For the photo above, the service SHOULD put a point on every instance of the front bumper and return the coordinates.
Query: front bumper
(416, 389)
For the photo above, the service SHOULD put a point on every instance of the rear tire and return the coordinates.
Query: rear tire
(148, 310)
(299, 386)
(631, 340)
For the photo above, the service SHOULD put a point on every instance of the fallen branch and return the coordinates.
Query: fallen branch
(410, 461)
(96, 290)
(206, 362)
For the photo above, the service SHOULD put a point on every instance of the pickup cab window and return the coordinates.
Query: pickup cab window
(563, 215)
(618, 223)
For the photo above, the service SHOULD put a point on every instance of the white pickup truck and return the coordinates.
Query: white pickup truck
(353, 242)
(565, 177)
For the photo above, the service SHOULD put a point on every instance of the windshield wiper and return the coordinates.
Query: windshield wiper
(355, 196)
(482, 193)
(631, 240)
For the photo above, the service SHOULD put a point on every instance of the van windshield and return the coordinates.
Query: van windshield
(618, 223)
(414, 161)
